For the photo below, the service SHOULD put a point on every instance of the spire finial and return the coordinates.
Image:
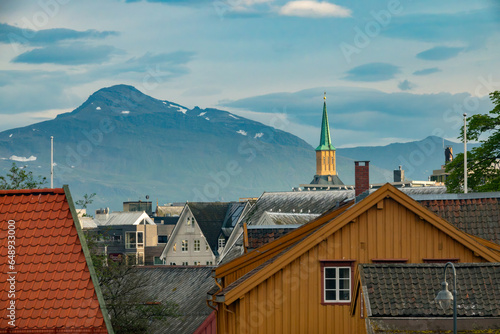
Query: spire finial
(324, 97)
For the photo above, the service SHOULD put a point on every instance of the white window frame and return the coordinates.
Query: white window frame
(330, 272)
(185, 246)
(196, 245)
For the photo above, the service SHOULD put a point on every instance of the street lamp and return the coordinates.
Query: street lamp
(444, 297)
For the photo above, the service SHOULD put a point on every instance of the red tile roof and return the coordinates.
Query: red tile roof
(53, 285)
(476, 216)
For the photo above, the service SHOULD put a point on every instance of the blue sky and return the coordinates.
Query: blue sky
(393, 70)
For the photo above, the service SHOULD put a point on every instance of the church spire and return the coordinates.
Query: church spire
(325, 142)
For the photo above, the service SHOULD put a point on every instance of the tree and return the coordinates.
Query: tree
(82, 203)
(18, 178)
(482, 161)
(131, 308)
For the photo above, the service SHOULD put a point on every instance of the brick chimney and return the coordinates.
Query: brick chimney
(361, 176)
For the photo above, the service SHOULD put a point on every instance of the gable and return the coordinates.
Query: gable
(383, 225)
(54, 278)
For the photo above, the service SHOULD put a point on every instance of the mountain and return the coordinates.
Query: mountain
(124, 145)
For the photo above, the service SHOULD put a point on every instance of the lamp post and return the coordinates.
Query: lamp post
(444, 297)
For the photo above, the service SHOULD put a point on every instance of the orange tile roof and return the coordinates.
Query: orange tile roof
(53, 285)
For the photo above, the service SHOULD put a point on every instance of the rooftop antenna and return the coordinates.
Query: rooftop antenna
(52, 162)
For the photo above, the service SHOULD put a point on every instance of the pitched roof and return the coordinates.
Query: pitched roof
(327, 226)
(325, 141)
(123, 218)
(185, 286)
(55, 283)
(479, 216)
(261, 235)
(209, 216)
(312, 202)
(409, 290)
(285, 218)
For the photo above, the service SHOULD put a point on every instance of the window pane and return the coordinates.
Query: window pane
(330, 284)
(330, 273)
(343, 295)
(344, 284)
(344, 272)
(139, 237)
(331, 295)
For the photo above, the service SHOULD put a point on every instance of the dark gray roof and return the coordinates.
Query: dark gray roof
(233, 214)
(315, 202)
(235, 250)
(409, 290)
(285, 218)
(210, 216)
(187, 287)
(327, 180)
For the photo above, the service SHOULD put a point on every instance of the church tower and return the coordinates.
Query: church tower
(326, 164)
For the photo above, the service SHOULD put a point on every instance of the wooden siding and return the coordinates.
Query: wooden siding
(289, 301)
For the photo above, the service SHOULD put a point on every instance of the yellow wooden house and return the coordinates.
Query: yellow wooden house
(308, 281)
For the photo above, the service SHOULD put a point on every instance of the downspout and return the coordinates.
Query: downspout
(215, 294)
(245, 238)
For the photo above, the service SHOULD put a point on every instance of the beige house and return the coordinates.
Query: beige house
(195, 238)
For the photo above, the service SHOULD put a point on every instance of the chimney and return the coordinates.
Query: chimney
(399, 175)
(361, 176)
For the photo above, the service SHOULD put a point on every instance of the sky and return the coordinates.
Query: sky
(393, 71)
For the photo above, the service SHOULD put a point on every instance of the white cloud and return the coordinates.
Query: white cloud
(22, 159)
(313, 9)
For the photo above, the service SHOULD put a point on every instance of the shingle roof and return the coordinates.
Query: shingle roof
(476, 216)
(409, 290)
(185, 286)
(209, 217)
(260, 236)
(54, 288)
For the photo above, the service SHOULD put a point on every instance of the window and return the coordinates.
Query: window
(140, 239)
(162, 239)
(209, 263)
(336, 281)
(175, 247)
(184, 263)
(197, 263)
(130, 240)
(140, 259)
(172, 263)
(196, 246)
(190, 225)
(117, 238)
(222, 242)
(184, 245)
(206, 246)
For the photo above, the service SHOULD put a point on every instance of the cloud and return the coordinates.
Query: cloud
(427, 71)
(35, 90)
(440, 53)
(12, 34)
(370, 113)
(74, 54)
(372, 72)
(313, 9)
(406, 85)
(472, 27)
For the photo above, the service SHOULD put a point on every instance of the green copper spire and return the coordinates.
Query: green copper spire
(325, 142)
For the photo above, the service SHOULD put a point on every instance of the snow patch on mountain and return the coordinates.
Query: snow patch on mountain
(258, 135)
(241, 132)
(231, 115)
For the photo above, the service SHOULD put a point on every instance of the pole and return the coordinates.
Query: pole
(454, 294)
(465, 153)
(52, 162)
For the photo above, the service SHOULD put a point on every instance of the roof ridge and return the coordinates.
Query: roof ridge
(31, 191)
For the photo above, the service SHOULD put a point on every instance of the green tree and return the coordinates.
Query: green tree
(482, 161)
(18, 178)
(131, 306)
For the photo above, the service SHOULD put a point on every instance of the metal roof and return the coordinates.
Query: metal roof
(122, 218)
